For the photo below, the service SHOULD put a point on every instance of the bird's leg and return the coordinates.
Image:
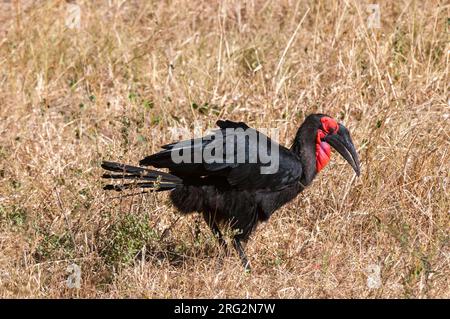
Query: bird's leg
(218, 234)
(196, 228)
(215, 230)
(236, 243)
(222, 243)
(238, 246)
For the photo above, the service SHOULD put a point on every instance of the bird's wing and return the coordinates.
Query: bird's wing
(247, 158)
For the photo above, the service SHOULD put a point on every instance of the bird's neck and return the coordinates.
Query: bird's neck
(304, 147)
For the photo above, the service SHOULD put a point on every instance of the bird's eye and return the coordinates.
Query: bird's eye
(329, 125)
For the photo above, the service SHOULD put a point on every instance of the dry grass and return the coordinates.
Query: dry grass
(114, 87)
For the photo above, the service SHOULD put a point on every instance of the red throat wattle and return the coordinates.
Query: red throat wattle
(323, 149)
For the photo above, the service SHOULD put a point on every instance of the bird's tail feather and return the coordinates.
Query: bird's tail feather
(142, 177)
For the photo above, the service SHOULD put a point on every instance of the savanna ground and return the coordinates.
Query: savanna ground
(112, 88)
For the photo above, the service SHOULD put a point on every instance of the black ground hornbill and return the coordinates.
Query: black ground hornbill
(232, 191)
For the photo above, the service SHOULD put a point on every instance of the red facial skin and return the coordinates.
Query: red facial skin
(323, 149)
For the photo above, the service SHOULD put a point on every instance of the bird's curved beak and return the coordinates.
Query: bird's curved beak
(342, 142)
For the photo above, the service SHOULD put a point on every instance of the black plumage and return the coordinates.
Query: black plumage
(233, 192)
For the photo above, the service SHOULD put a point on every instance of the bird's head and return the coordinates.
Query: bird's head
(318, 134)
(335, 134)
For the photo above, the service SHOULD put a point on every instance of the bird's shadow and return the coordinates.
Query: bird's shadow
(178, 254)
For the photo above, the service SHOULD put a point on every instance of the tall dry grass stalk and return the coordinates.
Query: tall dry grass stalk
(112, 88)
